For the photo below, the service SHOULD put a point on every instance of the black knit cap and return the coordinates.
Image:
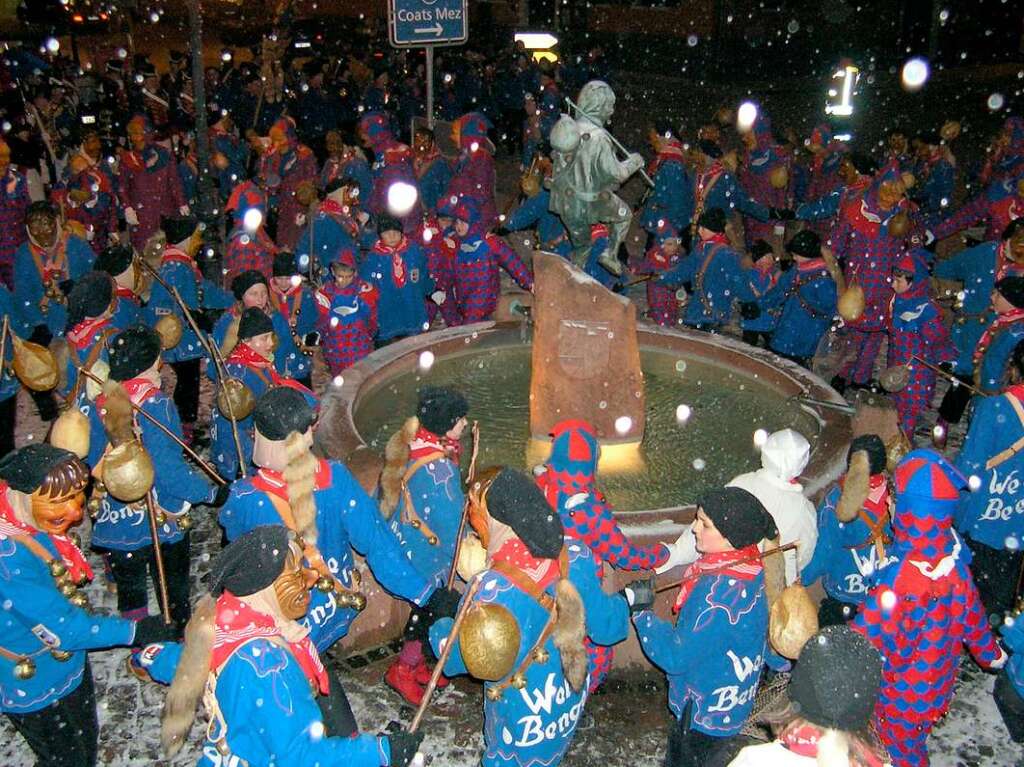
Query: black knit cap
(90, 297)
(251, 562)
(440, 408)
(759, 249)
(835, 682)
(515, 500)
(805, 244)
(739, 516)
(245, 280)
(710, 148)
(254, 322)
(282, 410)
(132, 352)
(284, 264)
(25, 470)
(1011, 288)
(713, 219)
(387, 223)
(114, 260)
(872, 445)
(178, 228)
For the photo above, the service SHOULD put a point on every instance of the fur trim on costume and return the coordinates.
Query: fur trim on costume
(190, 677)
(774, 572)
(396, 456)
(856, 487)
(569, 632)
(300, 474)
(118, 418)
(230, 339)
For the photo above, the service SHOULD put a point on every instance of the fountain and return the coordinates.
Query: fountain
(687, 424)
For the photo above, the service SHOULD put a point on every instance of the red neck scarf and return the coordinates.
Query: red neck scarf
(1000, 322)
(671, 150)
(138, 390)
(272, 482)
(238, 623)
(543, 572)
(128, 294)
(69, 553)
(173, 255)
(399, 273)
(281, 300)
(243, 354)
(727, 563)
(82, 334)
(426, 442)
(717, 238)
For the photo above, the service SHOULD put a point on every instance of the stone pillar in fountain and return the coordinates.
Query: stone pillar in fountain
(586, 359)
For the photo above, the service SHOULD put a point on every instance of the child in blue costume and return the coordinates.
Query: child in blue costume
(121, 530)
(671, 200)
(853, 531)
(758, 326)
(714, 654)
(989, 516)
(397, 267)
(322, 502)
(250, 360)
(421, 497)
(996, 345)
(292, 301)
(46, 689)
(533, 705)
(569, 483)
(270, 699)
(119, 262)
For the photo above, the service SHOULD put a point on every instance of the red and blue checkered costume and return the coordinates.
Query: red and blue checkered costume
(916, 330)
(477, 279)
(247, 249)
(569, 483)
(861, 241)
(824, 172)
(755, 178)
(347, 321)
(150, 185)
(442, 249)
(662, 304)
(392, 164)
(1008, 160)
(998, 205)
(98, 214)
(13, 204)
(923, 609)
(283, 171)
(474, 172)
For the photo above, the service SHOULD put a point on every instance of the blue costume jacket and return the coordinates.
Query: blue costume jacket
(346, 519)
(976, 269)
(714, 654)
(551, 234)
(718, 279)
(9, 383)
(433, 181)
(672, 198)
(845, 557)
(807, 295)
(127, 310)
(534, 726)
(991, 368)
(176, 486)
(403, 282)
(36, 308)
(1013, 638)
(36, 617)
(299, 306)
(994, 513)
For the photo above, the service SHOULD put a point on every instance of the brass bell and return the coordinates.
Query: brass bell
(234, 396)
(128, 472)
(540, 655)
(62, 656)
(161, 518)
(24, 669)
(519, 681)
(184, 522)
(76, 539)
(79, 599)
(68, 589)
(494, 693)
(432, 540)
(325, 584)
(416, 524)
(358, 602)
(57, 568)
(94, 507)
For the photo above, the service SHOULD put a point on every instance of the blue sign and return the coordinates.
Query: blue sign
(427, 22)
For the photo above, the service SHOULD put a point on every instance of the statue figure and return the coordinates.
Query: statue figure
(587, 173)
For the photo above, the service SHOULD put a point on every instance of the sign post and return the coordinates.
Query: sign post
(428, 23)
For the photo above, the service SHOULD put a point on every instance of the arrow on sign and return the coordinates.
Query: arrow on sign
(437, 29)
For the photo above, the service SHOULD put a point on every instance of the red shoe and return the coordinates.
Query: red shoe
(401, 678)
(423, 674)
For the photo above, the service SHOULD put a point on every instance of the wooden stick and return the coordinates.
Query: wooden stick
(161, 575)
(460, 616)
(470, 477)
(638, 280)
(3, 343)
(181, 443)
(173, 291)
(727, 565)
(950, 376)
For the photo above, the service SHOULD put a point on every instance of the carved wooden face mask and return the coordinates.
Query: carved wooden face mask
(56, 516)
(292, 588)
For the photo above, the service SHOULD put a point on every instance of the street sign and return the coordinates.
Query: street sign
(427, 22)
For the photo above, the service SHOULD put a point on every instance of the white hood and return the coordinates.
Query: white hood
(785, 454)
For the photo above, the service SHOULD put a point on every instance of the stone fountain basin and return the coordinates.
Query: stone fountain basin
(338, 437)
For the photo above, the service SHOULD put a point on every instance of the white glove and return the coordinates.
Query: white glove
(682, 552)
(999, 662)
(929, 237)
(438, 297)
(300, 219)
(184, 210)
(130, 217)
